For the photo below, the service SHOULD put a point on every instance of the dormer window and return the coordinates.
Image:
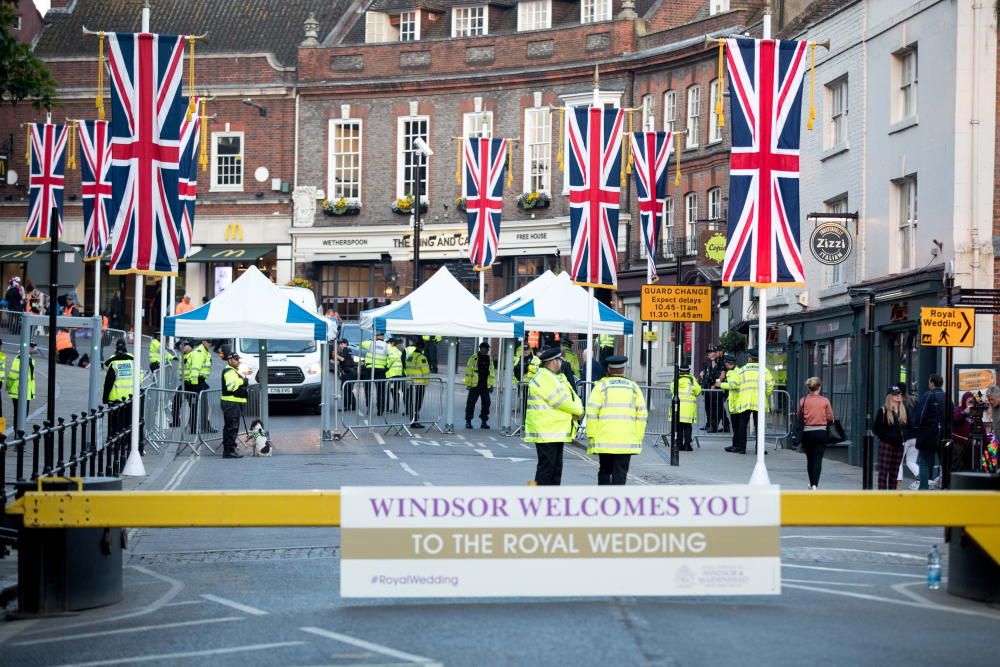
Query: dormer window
(469, 21)
(384, 27)
(534, 15)
(409, 26)
(592, 11)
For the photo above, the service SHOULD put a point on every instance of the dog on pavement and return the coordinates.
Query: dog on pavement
(261, 445)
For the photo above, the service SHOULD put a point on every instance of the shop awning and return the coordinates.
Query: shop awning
(230, 253)
(15, 253)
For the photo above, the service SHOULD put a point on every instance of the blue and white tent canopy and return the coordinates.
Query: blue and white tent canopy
(441, 307)
(252, 307)
(553, 303)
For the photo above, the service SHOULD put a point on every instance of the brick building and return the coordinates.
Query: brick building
(247, 64)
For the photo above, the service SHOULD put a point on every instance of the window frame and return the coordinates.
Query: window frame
(693, 117)
(714, 131)
(401, 151)
(599, 11)
(456, 19)
(609, 99)
(690, 216)
(332, 192)
(836, 274)
(415, 13)
(717, 7)
(906, 89)
(546, 153)
(715, 201)
(668, 227)
(906, 230)
(474, 116)
(523, 14)
(386, 31)
(836, 116)
(648, 107)
(215, 186)
(669, 119)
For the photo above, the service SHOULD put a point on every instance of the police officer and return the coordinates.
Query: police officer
(750, 377)
(375, 362)
(606, 344)
(3, 372)
(418, 369)
(570, 356)
(394, 369)
(688, 390)
(156, 355)
(480, 376)
(709, 375)
(553, 409)
(731, 384)
(431, 347)
(14, 382)
(234, 398)
(616, 422)
(118, 377)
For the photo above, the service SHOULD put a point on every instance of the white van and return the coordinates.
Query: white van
(294, 367)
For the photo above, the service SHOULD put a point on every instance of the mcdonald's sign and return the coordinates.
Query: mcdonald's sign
(234, 232)
(15, 255)
(3, 166)
(229, 253)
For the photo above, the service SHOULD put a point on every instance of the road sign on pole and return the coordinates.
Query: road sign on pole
(947, 327)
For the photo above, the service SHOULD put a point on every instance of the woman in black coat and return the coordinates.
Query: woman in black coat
(892, 428)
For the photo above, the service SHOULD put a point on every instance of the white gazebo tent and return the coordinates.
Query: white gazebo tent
(442, 306)
(254, 307)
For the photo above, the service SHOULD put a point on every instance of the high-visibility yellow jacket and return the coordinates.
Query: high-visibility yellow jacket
(376, 355)
(124, 370)
(394, 368)
(732, 385)
(574, 361)
(155, 356)
(616, 417)
(749, 377)
(688, 390)
(3, 366)
(417, 367)
(233, 386)
(552, 404)
(192, 366)
(472, 372)
(532, 369)
(14, 378)
(606, 341)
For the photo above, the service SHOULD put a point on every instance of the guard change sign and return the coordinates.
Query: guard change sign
(402, 542)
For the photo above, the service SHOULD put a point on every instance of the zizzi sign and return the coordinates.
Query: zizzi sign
(831, 243)
(548, 541)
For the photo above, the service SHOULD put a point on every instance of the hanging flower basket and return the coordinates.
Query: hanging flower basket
(460, 204)
(530, 200)
(300, 282)
(404, 206)
(341, 206)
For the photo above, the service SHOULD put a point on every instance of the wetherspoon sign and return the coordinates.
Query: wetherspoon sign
(559, 541)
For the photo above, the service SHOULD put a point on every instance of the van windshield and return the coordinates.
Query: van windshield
(251, 346)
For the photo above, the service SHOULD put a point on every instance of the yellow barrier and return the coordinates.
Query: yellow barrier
(977, 511)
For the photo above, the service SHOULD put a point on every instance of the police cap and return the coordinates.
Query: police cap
(684, 368)
(231, 355)
(549, 354)
(616, 361)
(729, 359)
(121, 346)
(752, 353)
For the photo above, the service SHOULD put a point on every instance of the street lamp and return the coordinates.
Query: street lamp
(868, 441)
(425, 152)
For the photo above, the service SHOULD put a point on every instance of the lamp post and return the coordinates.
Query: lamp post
(425, 151)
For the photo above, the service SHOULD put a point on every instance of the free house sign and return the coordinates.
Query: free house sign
(831, 243)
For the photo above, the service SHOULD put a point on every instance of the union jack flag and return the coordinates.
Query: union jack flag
(95, 185)
(146, 73)
(594, 143)
(188, 181)
(48, 148)
(650, 153)
(485, 163)
(765, 82)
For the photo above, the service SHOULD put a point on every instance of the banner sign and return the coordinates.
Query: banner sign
(404, 542)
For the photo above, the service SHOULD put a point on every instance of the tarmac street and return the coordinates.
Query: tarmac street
(269, 596)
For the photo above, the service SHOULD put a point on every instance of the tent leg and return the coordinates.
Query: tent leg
(324, 392)
(508, 385)
(449, 423)
(264, 414)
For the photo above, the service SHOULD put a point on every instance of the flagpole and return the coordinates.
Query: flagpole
(760, 475)
(97, 335)
(133, 466)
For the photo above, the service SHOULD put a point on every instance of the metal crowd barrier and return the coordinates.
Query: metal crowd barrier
(376, 404)
(209, 421)
(170, 418)
(777, 419)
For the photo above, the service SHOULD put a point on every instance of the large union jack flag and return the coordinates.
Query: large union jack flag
(484, 161)
(146, 73)
(594, 143)
(765, 83)
(188, 181)
(650, 153)
(95, 185)
(48, 163)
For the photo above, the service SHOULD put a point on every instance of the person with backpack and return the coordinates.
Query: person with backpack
(929, 428)
(892, 428)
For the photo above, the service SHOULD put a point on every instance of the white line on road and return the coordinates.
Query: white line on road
(186, 654)
(408, 469)
(428, 484)
(906, 603)
(493, 438)
(388, 452)
(824, 583)
(379, 439)
(526, 445)
(123, 631)
(500, 444)
(369, 646)
(246, 609)
(183, 603)
(842, 569)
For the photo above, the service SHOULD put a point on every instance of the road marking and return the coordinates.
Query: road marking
(408, 469)
(176, 480)
(894, 554)
(526, 445)
(388, 452)
(379, 439)
(841, 569)
(186, 654)
(123, 631)
(246, 609)
(926, 604)
(489, 454)
(499, 444)
(493, 438)
(825, 583)
(369, 646)
(428, 484)
(184, 602)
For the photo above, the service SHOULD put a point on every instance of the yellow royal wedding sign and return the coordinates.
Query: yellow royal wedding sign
(948, 327)
(556, 541)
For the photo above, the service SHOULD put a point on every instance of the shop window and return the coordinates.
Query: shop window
(527, 269)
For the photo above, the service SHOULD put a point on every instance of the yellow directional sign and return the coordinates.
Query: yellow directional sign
(676, 303)
(650, 336)
(948, 327)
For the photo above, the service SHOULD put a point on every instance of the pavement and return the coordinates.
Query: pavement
(250, 596)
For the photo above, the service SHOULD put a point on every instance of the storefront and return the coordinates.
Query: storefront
(220, 265)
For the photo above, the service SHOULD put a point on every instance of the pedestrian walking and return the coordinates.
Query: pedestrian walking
(553, 410)
(750, 377)
(929, 428)
(14, 384)
(892, 429)
(816, 413)
(616, 422)
(418, 369)
(234, 399)
(736, 410)
(480, 376)
(688, 391)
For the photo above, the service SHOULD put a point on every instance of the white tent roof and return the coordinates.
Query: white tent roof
(441, 307)
(553, 303)
(252, 307)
